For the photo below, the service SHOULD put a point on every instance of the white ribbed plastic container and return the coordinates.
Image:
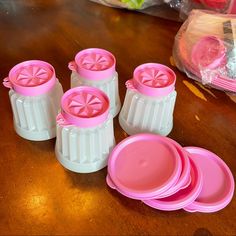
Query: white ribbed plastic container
(35, 96)
(96, 67)
(149, 101)
(85, 134)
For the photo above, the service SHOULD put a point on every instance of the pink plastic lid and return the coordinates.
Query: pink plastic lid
(31, 78)
(154, 79)
(185, 178)
(110, 182)
(84, 106)
(143, 166)
(183, 197)
(94, 64)
(209, 52)
(218, 182)
(219, 81)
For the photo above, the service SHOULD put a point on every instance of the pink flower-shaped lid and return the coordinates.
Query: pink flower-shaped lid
(84, 106)
(154, 79)
(144, 166)
(31, 78)
(94, 64)
(218, 181)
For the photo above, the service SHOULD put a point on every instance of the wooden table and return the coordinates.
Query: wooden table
(37, 195)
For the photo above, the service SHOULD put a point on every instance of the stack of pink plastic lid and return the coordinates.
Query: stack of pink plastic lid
(166, 176)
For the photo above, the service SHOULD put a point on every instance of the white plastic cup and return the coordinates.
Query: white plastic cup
(96, 67)
(149, 101)
(35, 96)
(85, 134)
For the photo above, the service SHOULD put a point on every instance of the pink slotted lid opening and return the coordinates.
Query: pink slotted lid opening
(183, 197)
(218, 182)
(85, 106)
(32, 78)
(154, 79)
(95, 64)
(143, 166)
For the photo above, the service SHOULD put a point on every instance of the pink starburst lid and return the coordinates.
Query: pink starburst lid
(31, 78)
(84, 106)
(94, 64)
(154, 79)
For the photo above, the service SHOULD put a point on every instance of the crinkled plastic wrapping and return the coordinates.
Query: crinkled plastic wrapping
(168, 9)
(130, 4)
(220, 6)
(205, 49)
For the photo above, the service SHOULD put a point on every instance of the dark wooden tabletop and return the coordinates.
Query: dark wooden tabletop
(39, 196)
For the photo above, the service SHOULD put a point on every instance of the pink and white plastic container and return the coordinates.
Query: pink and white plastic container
(96, 67)
(85, 134)
(149, 101)
(35, 95)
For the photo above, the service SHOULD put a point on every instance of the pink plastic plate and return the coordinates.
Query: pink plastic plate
(183, 197)
(218, 182)
(144, 166)
(185, 178)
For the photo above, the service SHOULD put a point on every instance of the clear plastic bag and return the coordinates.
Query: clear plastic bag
(130, 4)
(167, 9)
(220, 6)
(205, 49)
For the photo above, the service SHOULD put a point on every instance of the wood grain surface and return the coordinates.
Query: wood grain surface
(37, 195)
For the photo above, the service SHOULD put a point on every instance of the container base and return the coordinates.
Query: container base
(135, 130)
(36, 135)
(78, 167)
(115, 111)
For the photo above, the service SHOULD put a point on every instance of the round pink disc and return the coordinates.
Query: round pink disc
(143, 166)
(185, 178)
(218, 182)
(183, 197)
(208, 52)
(85, 106)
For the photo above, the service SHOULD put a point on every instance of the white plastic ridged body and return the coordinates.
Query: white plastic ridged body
(108, 86)
(85, 150)
(142, 113)
(35, 116)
